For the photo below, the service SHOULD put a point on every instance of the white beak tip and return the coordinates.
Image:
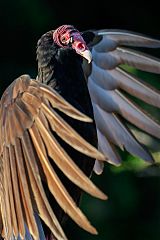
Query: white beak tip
(87, 55)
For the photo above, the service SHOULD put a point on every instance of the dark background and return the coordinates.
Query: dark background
(132, 211)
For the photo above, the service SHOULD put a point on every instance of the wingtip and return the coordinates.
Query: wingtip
(87, 119)
(105, 197)
(101, 195)
(150, 159)
(101, 157)
(114, 162)
(93, 230)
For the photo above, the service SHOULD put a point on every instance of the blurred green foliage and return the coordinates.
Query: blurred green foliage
(132, 210)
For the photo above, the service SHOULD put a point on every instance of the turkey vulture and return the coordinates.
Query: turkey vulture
(56, 129)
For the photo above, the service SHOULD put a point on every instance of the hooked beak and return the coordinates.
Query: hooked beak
(79, 45)
(87, 55)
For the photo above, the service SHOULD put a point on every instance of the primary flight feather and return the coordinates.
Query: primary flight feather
(57, 129)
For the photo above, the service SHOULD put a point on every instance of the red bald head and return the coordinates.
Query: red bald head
(67, 36)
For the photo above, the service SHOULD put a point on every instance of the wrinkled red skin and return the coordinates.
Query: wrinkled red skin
(70, 33)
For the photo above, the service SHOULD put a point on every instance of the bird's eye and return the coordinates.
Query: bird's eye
(63, 39)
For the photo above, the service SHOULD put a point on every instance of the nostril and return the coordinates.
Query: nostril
(81, 46)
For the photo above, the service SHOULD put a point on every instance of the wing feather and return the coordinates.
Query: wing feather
(24, 189)
(126, 38)
(119, 78)
(2, 201)
(16, 192)
(14, 222)
(8, 232)
(57, 188)
(28, 122)
(136, 87)
(114, 130)
(108, 82)
(114, 101)
(58, 102)
(110, 60)
(68, 134)
(108, 148)
(43, 205)
(69, 168)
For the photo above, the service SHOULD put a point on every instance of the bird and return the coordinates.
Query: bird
(59, 128)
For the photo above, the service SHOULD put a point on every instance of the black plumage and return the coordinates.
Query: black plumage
(66, 76)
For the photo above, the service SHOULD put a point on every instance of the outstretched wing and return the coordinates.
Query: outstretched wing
(111, 88)
(27, 122)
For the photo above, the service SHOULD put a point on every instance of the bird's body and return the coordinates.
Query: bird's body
(67, 78)
(52, 129)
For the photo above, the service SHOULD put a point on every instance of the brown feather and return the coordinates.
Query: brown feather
(67, 133)
(26, 198)
(19, 86)
(57, 188)
(2, 200)
(16, 192)
(6, 127)
(43, 205)
(31, 105)
(58, 102)
(69, 168)
(8, 233)
(11, 197)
